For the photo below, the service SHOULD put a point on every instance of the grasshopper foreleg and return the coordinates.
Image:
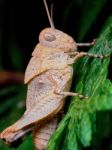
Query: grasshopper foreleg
(78, 55)
(86, 44)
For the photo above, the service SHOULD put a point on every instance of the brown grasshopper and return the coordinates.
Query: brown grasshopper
(49, 77)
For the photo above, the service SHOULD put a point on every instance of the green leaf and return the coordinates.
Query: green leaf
(103, 101)
(57, 137)
(85, 129)
(27, 144)
(91, 80)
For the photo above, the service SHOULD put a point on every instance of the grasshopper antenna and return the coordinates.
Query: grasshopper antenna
(48, 14)
(52, 13)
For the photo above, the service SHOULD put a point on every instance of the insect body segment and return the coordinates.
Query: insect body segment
(50, 55)
(42, 134)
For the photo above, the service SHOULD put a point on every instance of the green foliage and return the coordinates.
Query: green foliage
(79, 125)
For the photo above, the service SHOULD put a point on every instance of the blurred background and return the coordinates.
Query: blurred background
(20, 24)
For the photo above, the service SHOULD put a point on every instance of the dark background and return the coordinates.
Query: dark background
(22, 21)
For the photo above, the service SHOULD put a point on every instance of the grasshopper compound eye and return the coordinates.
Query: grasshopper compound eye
(49, 37)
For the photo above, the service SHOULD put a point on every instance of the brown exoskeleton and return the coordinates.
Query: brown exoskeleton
(49, 77)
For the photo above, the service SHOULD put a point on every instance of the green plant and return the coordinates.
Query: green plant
(81, 125)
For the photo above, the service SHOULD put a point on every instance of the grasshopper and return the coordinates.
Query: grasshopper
(49, 77)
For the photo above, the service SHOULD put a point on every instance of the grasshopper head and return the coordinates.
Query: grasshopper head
(53, 38)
